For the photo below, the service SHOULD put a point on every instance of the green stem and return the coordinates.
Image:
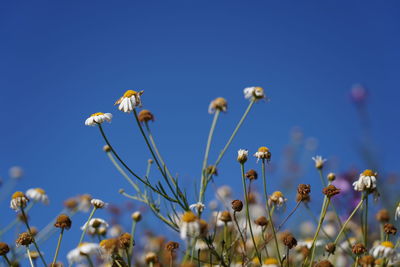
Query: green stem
(122, 172)
(205, 160)
(87, 225)
(269, 210)
(128, 258)
(132, 239)
(29, 256)
(7, 260)
(321, 220)
(366, 221)
(248, 213)
(25, 218)
(58, 246)
(348, 220)
(89, 260)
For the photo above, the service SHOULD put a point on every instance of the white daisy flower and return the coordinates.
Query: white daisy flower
(397, 213)
(200, 245)
(37, 195)
(254, 92)
(129, 101)
(18, 201)
(83, 251)
(384, 249)
(319, 162)
(98, 118)
(270, 262)
(308, 243)
(242, 155)
(366, 181)
(189, 225)
(218, 104)
(277, 199)
(199, 207)
(16, 172)
(263, 153)
(96, 225)
(98, 204)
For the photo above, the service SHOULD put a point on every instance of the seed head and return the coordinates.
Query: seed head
(151, 257)
(63, 221)
(110, 245)
(324, 263)
(136, 216)
(24, 239)
(330, 248)
(106, 148)
(303, 192)
(330, 191)
(225, 216)
(171, 246)
(383, 216)
(331, 177)
(237, 205)
(212, 170)
(289, 240)
(145, 116)
(367, 261)
(390, 229)
(219, 103)
(261, 221)
(358, 249)
(4, 248)
(71, 203)
(124, 240)
(251, 175)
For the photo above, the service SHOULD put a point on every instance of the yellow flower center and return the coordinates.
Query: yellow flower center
(256, 261)
(97, 114)
(17, 195)
(129, 93)
(40, 191)
(369, 173)
(189, 217)
(277, 194)
(387, 244)
(82, 244)
(263, 149)
(270, 261)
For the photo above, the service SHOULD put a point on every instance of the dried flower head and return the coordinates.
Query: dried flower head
(261, 221)
(24, 239)
(366, 182)
(4, 248)
(37, 195)
(390, 229)
(330, 248)
(124, 240)
(225, 216)
(263, 153)
(212, 170)
(358, 249)
(203, 227)
(254, 93)
(330, 191)
(219, 103)
(303, 192)
(288, 240)
(109, 245)
(242, 156)
(171, 246)
(145, 116)
(367, 261)
(251, 175)
(383, 216)
(63, 221)
(237, 205)
(71, 203)
(18, 201)
(319, 162)
(136, 216)
(129, 101)
(324, 263)
(151, 257)
(98, 118)
(331, 177)
(106, 148)
(98, 204)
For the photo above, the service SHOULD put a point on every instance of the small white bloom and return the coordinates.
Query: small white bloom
(98, 118)
(96, 225)
(18, 201)
(366, 181)
(254, 92)
(308, 243)
(199, 207)
(200, 245)
(98, 204)
(37, 195)
(79, 254)
(277, 199)
(242, 155)
(218, 104)
(384, 249)
(263, 153)
(397, 213)
(319, 162)
(189, 225)
(129, 101)
(16, 172)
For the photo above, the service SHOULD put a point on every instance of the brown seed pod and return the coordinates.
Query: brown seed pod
(237, 205)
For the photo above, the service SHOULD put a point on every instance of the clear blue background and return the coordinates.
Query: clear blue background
(63, 60)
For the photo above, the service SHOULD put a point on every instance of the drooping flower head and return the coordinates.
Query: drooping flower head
(37, 195)
(98, 204)
(189, 225)
(384, 249)
(366, 181)
(263, 153)
(319, 162)
(277, 198)
(254, 93)
(129, 101)
(18, 201)
(219, 103)
(242, 155)
(98, 118)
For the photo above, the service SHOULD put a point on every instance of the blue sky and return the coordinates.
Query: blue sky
(62, 61)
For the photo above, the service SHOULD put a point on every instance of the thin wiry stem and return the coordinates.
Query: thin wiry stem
(58, 246)
(269, 210)
(287, 218)
(348, 220)
(240, 232)
(132, 239)
(248, 213)
(366, 221)
(87, 225)
(205, 160)
(7, 260)
(29, 256)
(16, 220)
(122, 172)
